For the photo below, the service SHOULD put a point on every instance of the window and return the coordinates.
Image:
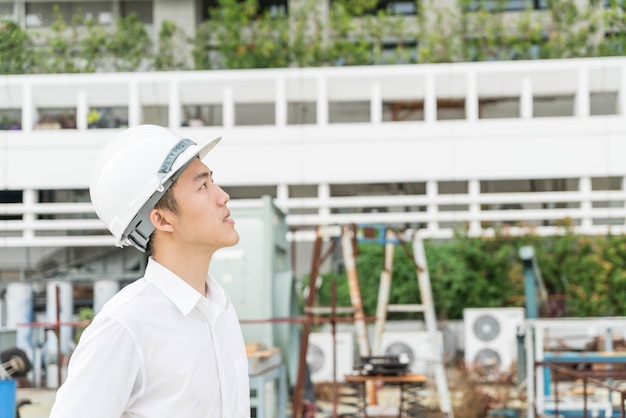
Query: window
(142, 8)
(42, 14)
(614, 3)
(10, 196)
(274, 7)
(397, 7)
(511, 5)
(56, 118)
(107, 117)
(249, 192)
(10, 119)
(6, 11)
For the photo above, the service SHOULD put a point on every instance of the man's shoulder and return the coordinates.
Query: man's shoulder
(124, 299)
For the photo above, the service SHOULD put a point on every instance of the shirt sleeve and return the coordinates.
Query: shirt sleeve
(104, 373)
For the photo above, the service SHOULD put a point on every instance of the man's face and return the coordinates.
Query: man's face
(202, 219)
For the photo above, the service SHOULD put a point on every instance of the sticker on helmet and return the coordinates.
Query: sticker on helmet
(176, 150)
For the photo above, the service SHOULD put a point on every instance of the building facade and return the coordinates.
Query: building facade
(520, 145)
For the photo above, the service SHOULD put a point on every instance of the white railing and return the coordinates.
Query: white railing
(374, 148)
(426, 84)
(437, 216)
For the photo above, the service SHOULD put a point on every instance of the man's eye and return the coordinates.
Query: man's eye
(204, 185)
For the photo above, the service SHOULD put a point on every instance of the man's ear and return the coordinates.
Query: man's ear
(159, 219)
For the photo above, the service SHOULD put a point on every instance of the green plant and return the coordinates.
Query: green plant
(306, 43)
(172, 48)
(85, 315)
(238, 35)
(346, 45)
(572, 31)
(614, 26)
(348, 32)
(94, 46)
(16, 49)
(130, 45)
(589, 272)
(438, 34)
(59, 53)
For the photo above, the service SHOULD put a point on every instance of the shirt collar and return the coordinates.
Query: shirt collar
(180, 292)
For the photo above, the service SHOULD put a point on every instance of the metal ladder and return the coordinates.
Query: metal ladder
(346, 235)
(427, 308)
(348, 240)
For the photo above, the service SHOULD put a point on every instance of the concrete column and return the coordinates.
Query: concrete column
(65, 314)
(474, 207)
(103, 290)
(82, 109)
(471, 100)
(19, 306)
(432, 190)
(323, 196)
(30, 199)
(282, 197)
(582, 94)
(430, 99)
(228, 108)
(526, 99)
(376, 104)
(322, 102)
(280, 104)
(134, 105)
(29, 111)
(174, 111)
(585, 203)
(621, 95)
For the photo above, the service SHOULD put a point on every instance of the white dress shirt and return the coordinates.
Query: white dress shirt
(159, 349)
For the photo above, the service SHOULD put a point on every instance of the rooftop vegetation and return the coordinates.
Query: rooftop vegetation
(239, 34)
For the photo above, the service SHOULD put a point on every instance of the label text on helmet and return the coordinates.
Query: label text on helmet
(176, 150)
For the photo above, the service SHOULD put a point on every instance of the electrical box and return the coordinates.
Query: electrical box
(256, 273)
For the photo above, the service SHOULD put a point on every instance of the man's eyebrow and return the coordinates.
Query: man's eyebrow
(201, 176)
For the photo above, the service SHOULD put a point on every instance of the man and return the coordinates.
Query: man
(168, 345)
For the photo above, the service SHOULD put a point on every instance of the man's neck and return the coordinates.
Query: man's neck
(193, 270)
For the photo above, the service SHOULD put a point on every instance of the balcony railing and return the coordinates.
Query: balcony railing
(418, 107)
(472, 90)
(437, 216)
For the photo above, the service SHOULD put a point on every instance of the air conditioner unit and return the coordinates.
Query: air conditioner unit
(417, 345)
(491, 338)
(319, 356)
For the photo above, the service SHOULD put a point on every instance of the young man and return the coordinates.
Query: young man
(169, 344)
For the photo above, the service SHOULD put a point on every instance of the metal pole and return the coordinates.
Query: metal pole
(306, 328)
(348, 239)
(384, 290)
(423, 279)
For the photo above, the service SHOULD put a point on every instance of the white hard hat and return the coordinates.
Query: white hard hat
(132, 173)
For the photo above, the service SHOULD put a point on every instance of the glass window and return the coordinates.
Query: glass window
(614, 3)
(107, 117)
(142, 8)
(511, 5)
(42, 14)
(7, 11)
(10, 196)
(606, 183)
(56, 118)
(398, 7)
(10, 120)
(274, 7)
